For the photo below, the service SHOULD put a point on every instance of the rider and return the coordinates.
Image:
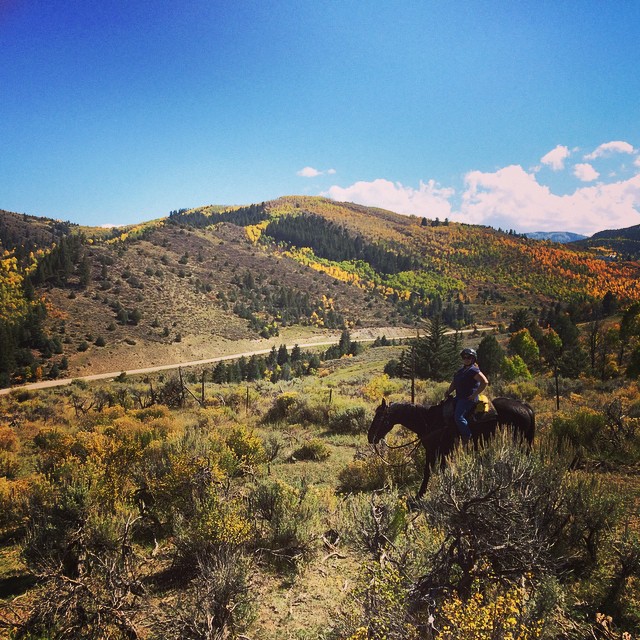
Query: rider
(468, 383)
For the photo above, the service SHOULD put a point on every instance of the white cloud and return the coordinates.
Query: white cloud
(428, 200)
(309, 172)
(585, 172)
(556, 157)
(510, 198)
(513, 198)
(636, 162)
(609, 148)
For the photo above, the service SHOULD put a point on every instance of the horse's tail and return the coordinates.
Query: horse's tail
(530, 432)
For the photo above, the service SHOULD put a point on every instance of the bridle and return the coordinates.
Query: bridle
(417, 442)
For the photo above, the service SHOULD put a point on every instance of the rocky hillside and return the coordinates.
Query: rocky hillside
(186, 286)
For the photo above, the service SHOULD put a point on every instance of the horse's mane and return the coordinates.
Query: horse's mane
(409, 410)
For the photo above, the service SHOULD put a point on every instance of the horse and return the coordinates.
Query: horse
(437, 431)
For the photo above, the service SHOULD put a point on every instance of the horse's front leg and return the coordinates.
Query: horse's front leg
(428, 462)
(414, 503)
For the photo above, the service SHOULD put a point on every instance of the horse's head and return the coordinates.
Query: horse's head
(381, 423)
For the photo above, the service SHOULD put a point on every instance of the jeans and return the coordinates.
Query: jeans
(462, 406)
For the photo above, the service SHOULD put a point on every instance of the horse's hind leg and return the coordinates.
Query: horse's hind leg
(429, 460)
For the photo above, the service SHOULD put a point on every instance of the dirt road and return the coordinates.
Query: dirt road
(366, 335)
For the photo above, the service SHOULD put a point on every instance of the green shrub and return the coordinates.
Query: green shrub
(374, 521)
(379, 606)
(363, 475)
(581, 429)
(315, 450)
(218, 604)
(550, 521)
(608, 434)
(350, 420)
(523, 390)
(287, 521)
(295, 408)
(282, 408)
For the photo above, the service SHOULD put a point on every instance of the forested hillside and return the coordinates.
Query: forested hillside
(88, 300)
(621, 243)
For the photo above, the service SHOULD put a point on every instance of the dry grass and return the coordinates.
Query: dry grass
(304, 604)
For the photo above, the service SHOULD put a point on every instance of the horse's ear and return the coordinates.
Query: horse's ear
(383, 404)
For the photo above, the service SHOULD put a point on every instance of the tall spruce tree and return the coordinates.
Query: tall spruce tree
(436, 354)
(490, 355)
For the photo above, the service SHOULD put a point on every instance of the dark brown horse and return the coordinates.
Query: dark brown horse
(436, 430)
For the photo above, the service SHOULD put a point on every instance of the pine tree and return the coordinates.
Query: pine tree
(436, 355)
(490, 355)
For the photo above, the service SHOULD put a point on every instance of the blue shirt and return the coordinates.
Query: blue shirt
(464, 381)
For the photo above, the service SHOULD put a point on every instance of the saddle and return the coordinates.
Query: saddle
(483, 411)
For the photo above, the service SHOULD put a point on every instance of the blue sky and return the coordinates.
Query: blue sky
(521, 115)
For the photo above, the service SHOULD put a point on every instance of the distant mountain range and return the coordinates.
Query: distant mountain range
(561, 237)
(620, 244)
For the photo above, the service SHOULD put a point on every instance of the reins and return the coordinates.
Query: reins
(415, 442)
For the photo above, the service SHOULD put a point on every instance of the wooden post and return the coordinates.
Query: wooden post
(413, 367)
(202, 387)
(330, 395)
(413, 375)
(182, 395)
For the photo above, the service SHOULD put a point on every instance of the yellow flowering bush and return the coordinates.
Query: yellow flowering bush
(381, 387)
(502, 616)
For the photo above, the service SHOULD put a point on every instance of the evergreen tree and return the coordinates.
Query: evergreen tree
(521, 319)
(272, 358)
(254, 369)
(436, 355)
(345, 343)
(629, 329)
(84, 271)
(490, 355)
(220, 373)
(283, 355)
(314, 363)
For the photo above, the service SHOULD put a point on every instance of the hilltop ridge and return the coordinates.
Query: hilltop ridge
(188, 284)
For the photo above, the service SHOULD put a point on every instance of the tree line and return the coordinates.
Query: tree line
(334, 242)
(602, 347)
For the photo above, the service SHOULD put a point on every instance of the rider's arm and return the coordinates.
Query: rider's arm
(484, 383)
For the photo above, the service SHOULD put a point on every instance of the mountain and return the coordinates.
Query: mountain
(561, 237)
(186, 286)
(629, 233)
(623, 244)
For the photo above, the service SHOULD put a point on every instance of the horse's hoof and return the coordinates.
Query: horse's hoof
(413, 504)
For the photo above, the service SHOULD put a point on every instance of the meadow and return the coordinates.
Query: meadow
(136, 509)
